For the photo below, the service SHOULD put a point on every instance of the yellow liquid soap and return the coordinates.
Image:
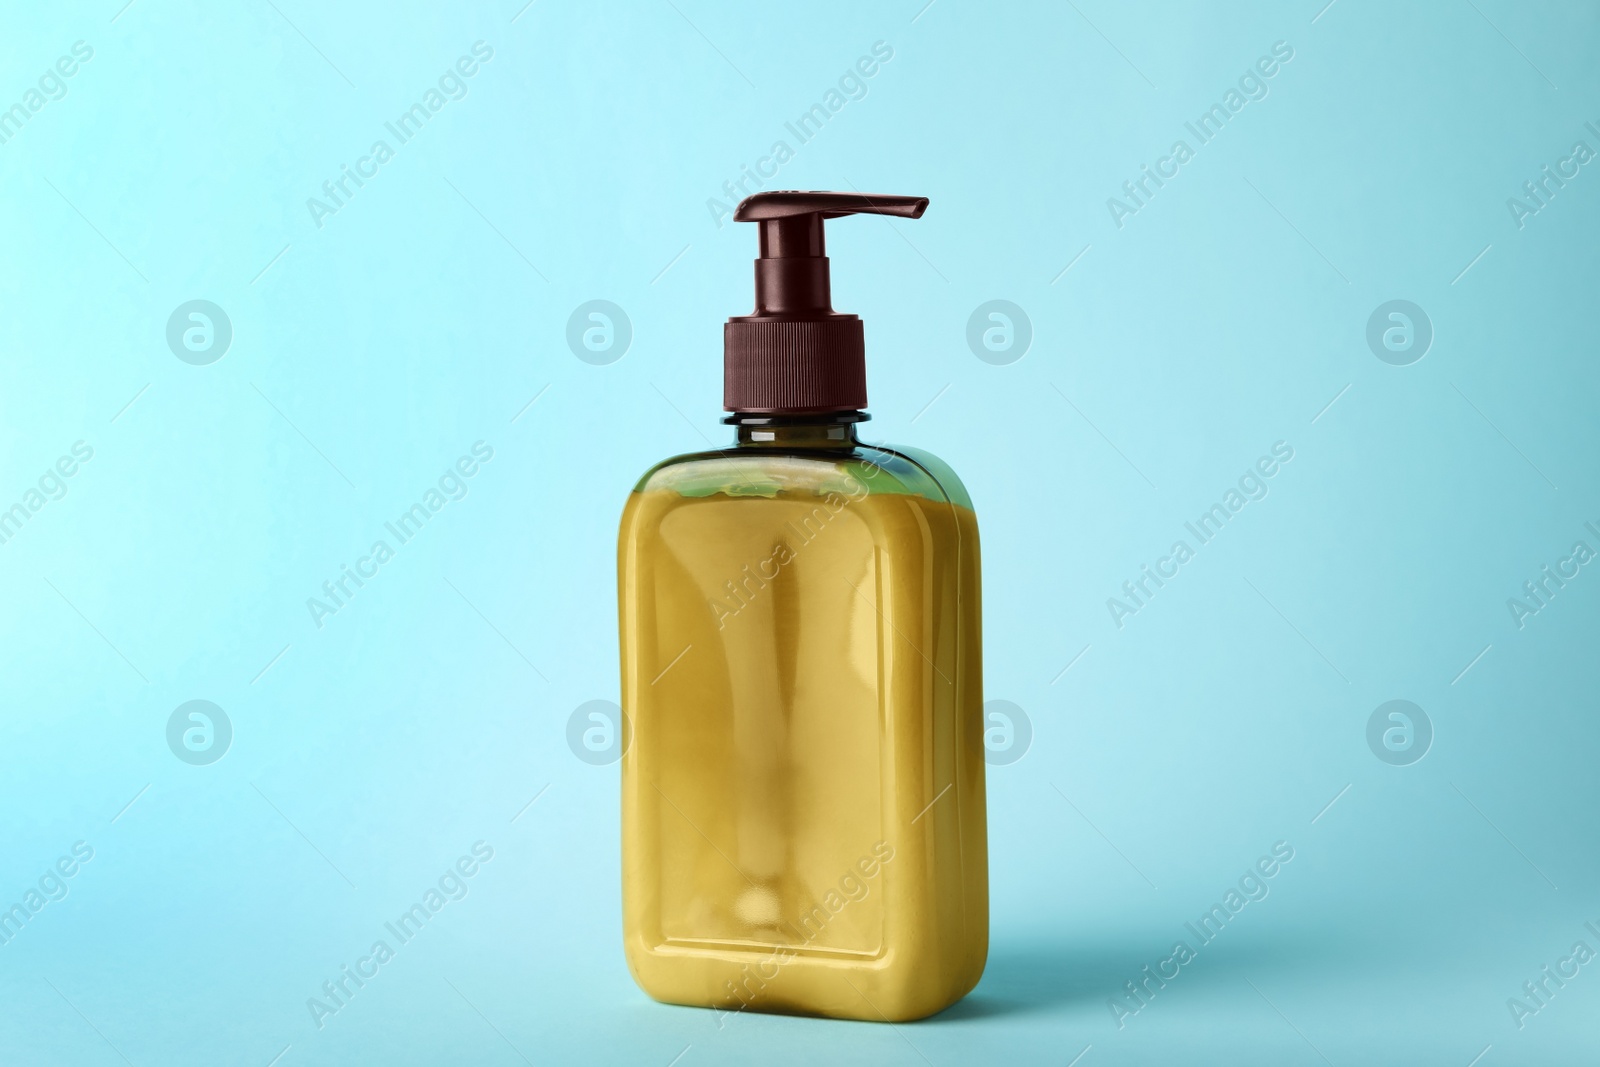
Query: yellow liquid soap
(803, 824)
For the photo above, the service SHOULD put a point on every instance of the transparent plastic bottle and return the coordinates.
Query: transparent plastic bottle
(803, 793)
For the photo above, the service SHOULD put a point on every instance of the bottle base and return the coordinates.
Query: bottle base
(785, 983)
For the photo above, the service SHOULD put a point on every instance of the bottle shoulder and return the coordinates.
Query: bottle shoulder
(942, 474)
(746, 472)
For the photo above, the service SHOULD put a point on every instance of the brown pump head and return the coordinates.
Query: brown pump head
(795, 355)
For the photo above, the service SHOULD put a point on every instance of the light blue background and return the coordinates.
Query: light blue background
(425, 315)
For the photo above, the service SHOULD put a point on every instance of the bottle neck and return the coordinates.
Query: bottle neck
(834, 430)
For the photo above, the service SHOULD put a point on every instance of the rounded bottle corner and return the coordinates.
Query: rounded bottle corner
(653, 472)
(939, 472)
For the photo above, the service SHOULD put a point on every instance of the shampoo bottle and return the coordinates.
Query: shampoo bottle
(803, 790)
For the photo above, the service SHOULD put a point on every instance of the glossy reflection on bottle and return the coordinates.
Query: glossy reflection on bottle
(803, 821)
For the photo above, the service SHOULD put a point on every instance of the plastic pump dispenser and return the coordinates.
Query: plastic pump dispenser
(796, 355)
(803, 824)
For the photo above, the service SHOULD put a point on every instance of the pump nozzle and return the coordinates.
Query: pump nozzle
(795, 354)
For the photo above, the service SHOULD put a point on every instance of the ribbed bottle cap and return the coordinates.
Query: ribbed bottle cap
(794, 368)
